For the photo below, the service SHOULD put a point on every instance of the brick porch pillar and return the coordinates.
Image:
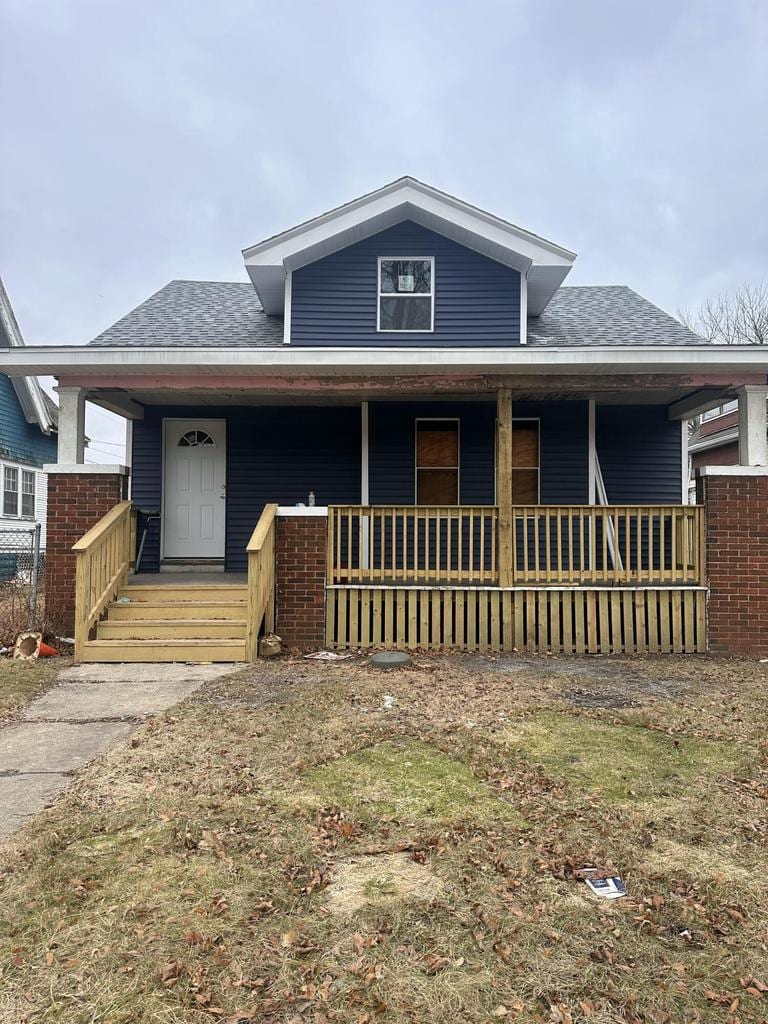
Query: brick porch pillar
(302, 544)
(78, 497)
(735, 500)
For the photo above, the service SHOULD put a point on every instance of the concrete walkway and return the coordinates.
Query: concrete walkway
(90, 708)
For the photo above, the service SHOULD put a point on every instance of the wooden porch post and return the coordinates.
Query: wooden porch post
(506, 529)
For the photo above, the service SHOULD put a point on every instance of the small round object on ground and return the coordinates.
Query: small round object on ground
(391, 659)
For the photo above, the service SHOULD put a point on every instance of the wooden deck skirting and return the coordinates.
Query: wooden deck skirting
(481, 619)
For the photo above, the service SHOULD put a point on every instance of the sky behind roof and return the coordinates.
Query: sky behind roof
(146, 141)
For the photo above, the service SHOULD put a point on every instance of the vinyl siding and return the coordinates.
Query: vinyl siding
(273, 454)
(640, 453)
(563, 456)
(20, 441)
(334, 300)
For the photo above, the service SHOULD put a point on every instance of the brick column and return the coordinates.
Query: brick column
(302, 544)
(76, 502)
(735, 500)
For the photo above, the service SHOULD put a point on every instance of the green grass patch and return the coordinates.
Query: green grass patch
(410, 781)
(621, 761)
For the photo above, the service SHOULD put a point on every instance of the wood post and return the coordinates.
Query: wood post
(504, 498)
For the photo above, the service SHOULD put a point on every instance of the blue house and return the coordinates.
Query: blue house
(497, 460)
(28, 426)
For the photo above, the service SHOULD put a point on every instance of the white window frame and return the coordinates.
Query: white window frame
(720, 410)
(417, 467)
(25, 473)
(406, 295)
(20, 470)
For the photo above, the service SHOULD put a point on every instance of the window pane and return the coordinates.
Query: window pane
(525, 486)
(10, 491)
(437, 487)
(437, 444)
(406, 276)
(28, 494)
(406, 314)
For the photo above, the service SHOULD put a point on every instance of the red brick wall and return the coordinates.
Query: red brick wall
(726, 455)
(302, 543)
(76, 502)
(736, 523)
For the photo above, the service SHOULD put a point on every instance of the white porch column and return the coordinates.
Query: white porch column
(753, 425)
(71, 425)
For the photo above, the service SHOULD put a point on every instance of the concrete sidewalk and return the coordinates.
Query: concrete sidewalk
(90, 708)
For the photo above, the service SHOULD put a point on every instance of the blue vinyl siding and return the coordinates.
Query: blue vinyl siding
(640, 453)
(273, 454)
(563, 458)
(334, 300)
(21, 441)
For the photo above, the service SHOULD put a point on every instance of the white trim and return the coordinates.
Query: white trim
(406, 295)
(407, 189)
(28, 389)
(287, 309)
(591, 453)
(364, 464)
(302, 511)
(686, 468)
(523, 309)
(732, 471)
(86, 468)
(406, 199)
(385, 360)
(417, 467)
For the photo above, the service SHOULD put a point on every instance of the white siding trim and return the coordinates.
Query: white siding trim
(523, 309)
(287, 309)
(686, 469)
(592, 453)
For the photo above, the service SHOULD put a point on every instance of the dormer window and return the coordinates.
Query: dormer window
(406, 293)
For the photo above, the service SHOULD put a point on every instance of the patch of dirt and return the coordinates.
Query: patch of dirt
(599, 699)
(364, 881)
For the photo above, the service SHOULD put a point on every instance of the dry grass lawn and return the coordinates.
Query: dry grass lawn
(290, 846)
(22, 681)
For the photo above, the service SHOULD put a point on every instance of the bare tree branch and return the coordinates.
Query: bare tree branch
(738, 318)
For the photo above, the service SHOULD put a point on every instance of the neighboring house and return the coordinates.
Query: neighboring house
(497, 460)
(28, 425)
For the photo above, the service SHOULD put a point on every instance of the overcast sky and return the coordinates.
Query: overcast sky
(146, 141)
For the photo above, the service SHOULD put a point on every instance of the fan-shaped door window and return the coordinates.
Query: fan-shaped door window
(196, 439)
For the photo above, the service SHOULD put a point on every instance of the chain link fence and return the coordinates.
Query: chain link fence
(22, 575)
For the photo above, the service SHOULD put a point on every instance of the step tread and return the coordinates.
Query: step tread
(175, 622)
(224, 642)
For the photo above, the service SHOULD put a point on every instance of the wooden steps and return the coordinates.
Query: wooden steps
(190, 623)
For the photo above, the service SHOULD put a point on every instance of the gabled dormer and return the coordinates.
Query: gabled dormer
(406, 265)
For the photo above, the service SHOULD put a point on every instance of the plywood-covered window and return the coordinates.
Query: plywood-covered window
(437, 462)
(525, 462)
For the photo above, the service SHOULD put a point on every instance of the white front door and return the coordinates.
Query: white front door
(194, 496)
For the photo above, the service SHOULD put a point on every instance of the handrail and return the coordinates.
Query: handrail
(101, 568)
(261, 550)
(571, 545)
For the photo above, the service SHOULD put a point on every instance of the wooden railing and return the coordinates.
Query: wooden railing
(548, 545)
(261, 580)
(412, 544)
(608, 544)
(102, 558)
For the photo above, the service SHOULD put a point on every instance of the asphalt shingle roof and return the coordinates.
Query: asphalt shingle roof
(217, 314)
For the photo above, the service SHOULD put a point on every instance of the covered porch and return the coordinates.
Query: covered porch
(550, 516)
